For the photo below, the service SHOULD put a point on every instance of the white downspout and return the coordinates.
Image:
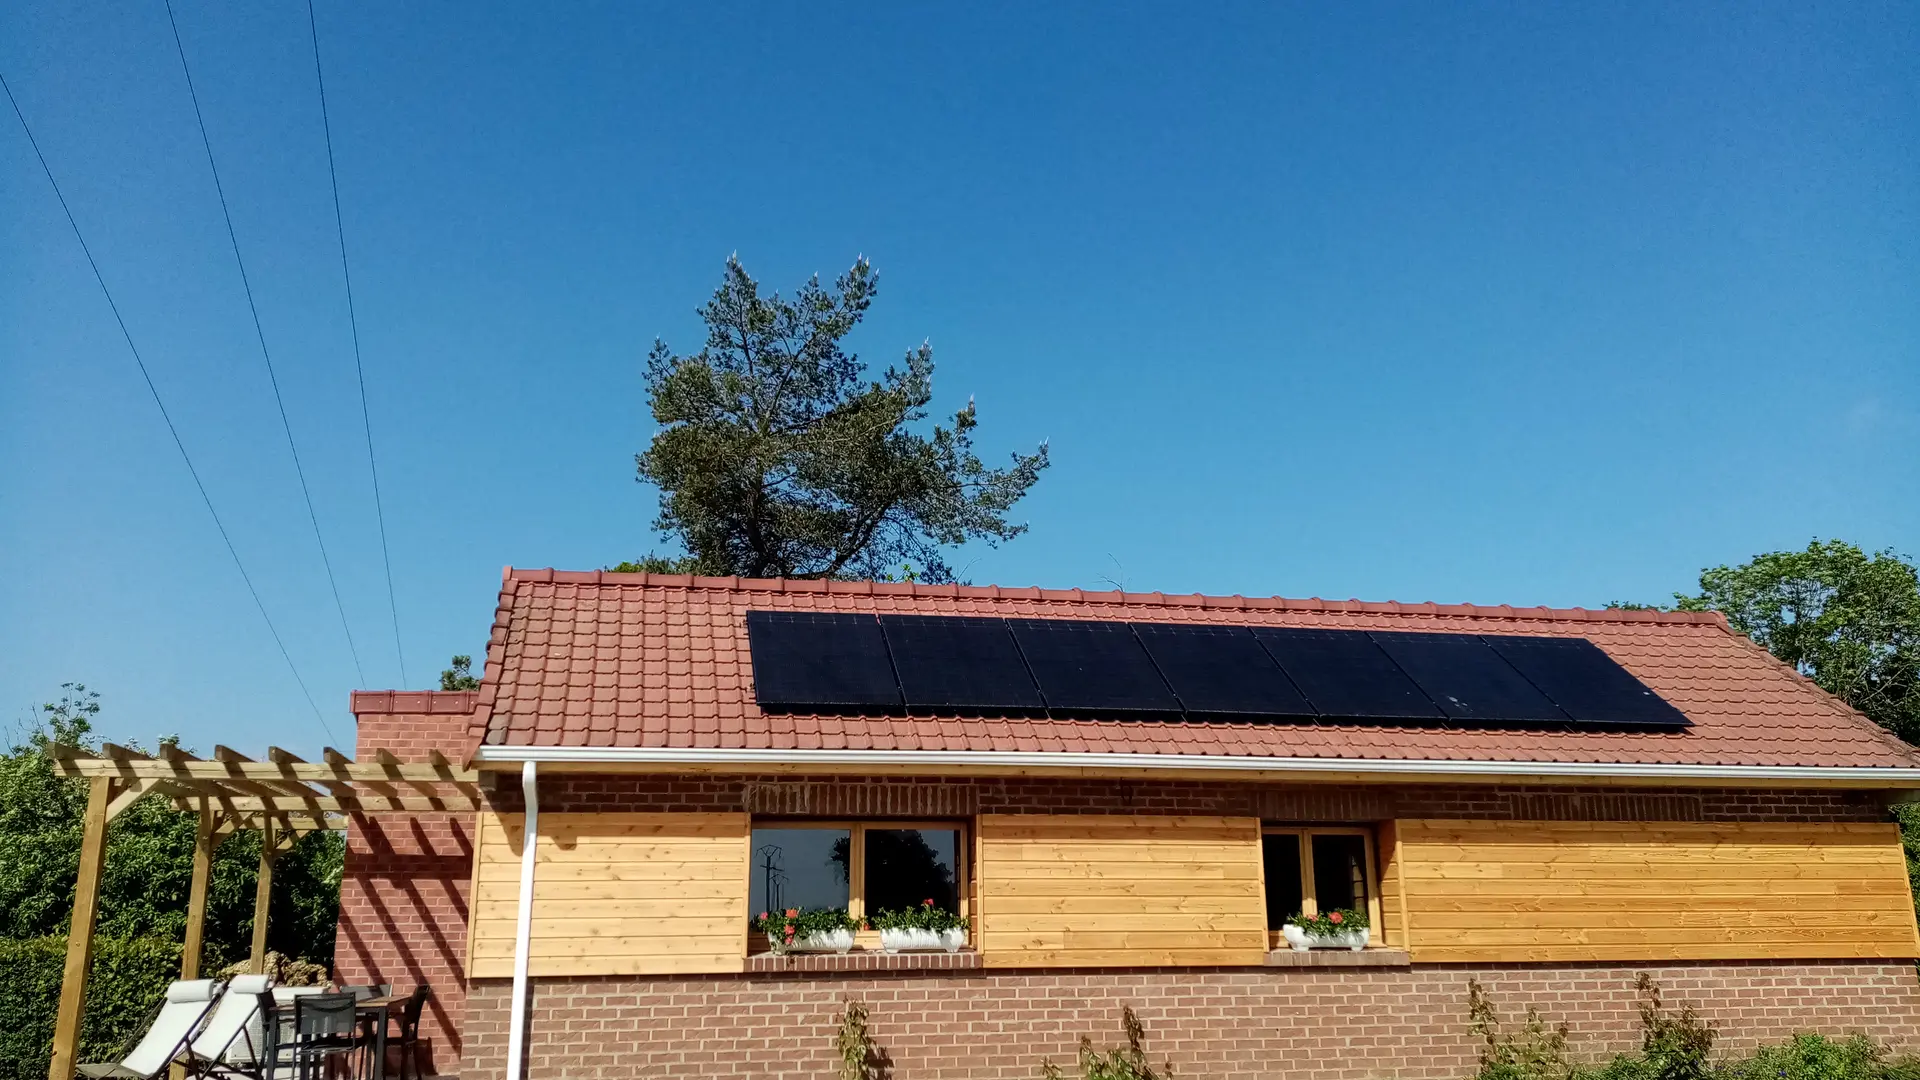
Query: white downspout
(523, 926)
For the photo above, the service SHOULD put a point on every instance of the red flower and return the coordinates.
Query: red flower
(793, 912)
(926, 903)
(1336, 918)
(763, 916)
(789, 931)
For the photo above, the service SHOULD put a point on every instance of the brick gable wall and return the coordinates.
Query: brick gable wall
(404, 888)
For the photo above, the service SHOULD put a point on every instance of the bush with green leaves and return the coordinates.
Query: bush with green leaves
(1536, 1051)
(1674, 1045)
(124, 987)
(1127, 1062)
(149, 864)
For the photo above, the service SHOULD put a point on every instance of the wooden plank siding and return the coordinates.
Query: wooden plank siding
(1520, 891)
(1119, 891)
(614, 894)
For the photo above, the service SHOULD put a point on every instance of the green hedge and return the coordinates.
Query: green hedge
(129, 977)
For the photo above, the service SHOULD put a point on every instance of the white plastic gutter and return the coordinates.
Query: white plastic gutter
(523, 925)
(663, 755)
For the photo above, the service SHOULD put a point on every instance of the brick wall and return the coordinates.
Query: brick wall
(1218, 1024)
(404, 888)
(924, 797)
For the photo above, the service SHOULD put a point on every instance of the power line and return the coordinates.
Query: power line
(164, 415)
(353, 322)
(261, 334)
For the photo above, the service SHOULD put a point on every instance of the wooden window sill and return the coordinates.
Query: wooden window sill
(1339, 958)
(864, 960)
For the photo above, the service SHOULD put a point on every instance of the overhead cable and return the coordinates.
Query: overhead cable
(353, 322)
(261, 334)
(164, 414)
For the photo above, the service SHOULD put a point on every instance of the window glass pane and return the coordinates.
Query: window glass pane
(1340, 872)
(799, 868)
(1282, 855)
(908, 866)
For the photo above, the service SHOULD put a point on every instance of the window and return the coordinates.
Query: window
(1316, 870)
(864, 867)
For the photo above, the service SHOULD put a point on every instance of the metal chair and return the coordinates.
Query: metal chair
(325, 1026)
(410, 1030)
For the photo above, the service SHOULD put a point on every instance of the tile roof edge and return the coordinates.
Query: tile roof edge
(1833, 702)
(495, 663)
(513, 575)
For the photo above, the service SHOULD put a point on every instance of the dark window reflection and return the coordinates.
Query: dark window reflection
(1340, 872)
(906, 867)
(1284, 888)
(798, 868)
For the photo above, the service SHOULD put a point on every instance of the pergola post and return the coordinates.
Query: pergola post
(262, 894)
(204, 841)
(86, 905)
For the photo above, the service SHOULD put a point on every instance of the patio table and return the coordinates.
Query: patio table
(376, 1011)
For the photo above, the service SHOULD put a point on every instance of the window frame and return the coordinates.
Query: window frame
(857, 862)
(1309, 903)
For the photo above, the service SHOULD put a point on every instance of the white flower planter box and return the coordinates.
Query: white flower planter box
(1345, 939)
(834, 941)
(922, 940)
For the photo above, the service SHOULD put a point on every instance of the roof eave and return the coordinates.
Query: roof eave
(1187, 766)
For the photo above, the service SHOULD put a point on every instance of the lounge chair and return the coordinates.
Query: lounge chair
(232, 1040)
(186, 1005)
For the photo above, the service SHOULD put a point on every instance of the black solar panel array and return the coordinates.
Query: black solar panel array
(946, 665)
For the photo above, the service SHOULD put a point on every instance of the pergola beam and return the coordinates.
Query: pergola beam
(78, 763)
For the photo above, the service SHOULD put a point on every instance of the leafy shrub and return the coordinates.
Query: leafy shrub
(927, 916)
(1128, 1062)
(124, 988)
(1816, 1057)
(1675, 1045)
(1535, 1052)
(859, 1059)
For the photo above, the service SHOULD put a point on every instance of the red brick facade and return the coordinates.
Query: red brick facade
(1221, 1024)
(933, 797)
(404, 887)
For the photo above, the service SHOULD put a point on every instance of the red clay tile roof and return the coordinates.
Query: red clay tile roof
(604, 659)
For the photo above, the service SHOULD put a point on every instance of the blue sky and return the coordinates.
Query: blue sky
(1437, 302)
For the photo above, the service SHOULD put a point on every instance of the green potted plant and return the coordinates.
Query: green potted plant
(1342, 928)
(925, 928)
(818, 930)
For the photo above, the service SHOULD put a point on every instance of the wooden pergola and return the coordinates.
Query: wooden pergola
(282, 797)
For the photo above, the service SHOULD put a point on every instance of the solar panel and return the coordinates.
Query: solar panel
(950, 663)
(1344, 674)
(1085, 666)
(829, 662)
(1220, 670)
(1585, 681)
(1468, 680)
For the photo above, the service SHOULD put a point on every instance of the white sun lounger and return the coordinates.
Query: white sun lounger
(186, 1005)
(231, 1040)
